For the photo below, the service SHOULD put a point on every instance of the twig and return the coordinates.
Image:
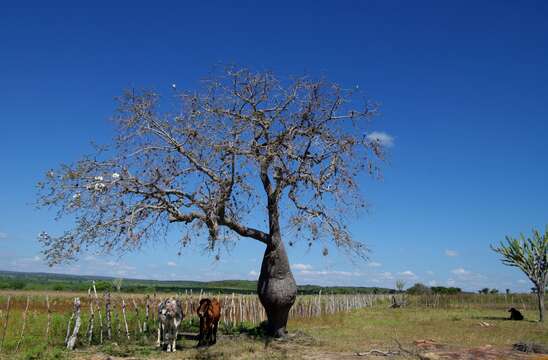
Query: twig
(405, 350)
(378, 353)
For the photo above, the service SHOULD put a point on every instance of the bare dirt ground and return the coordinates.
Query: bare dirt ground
(302, 346)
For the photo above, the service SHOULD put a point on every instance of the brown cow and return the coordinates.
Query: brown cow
(209, 312)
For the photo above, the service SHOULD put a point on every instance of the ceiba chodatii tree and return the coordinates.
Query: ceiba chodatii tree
(246, 146)
(530, 255)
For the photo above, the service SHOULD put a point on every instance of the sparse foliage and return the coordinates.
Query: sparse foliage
(530, 255)
(246, 143)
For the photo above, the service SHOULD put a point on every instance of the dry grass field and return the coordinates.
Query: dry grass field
(452, 323)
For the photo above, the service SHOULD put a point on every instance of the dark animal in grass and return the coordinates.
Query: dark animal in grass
(515, 314)
(170, 315)
(396, 304)
(209, 312)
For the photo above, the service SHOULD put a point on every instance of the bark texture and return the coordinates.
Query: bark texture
(276, 288)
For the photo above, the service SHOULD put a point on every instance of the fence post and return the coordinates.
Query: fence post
(49, 319)
(147, 310)
(136, 308)
(72, 340)
(24, 324)
(91, 317)
(6, 322)
(108, 318)
(124, 315)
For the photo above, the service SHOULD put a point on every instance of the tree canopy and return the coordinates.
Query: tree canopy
(202, 163)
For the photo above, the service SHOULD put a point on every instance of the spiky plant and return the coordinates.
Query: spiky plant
(530, 255)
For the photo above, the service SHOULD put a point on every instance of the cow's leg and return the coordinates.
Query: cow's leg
(169, 341)
(214, 340)
(158, 342)
(170, 338)
(209, 332)
(174, 345)
(201, 335)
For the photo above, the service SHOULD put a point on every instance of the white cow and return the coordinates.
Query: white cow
(170, 315)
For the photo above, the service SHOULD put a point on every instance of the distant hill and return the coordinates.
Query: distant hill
(65, 282)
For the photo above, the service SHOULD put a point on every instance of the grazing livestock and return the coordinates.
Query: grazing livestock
(170, 315)
(209, 312)
(515, 314)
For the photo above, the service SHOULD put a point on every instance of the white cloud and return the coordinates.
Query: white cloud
(460, 272)
(327, 273)
(374, 264)
(451, 253)
(451, 282)
(432, 283)
(301, 266)
(253, 273)
(383, 138)
(521, 281)
(3, 235)
(430, 272)
(407, 273)
(171, 263)
(387, 275)
(468, 278)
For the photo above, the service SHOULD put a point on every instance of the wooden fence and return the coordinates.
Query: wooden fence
(95, 318)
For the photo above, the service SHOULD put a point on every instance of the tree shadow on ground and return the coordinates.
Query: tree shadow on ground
(499, 318)
(259, 333)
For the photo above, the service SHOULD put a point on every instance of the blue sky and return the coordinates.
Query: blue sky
(463, 88)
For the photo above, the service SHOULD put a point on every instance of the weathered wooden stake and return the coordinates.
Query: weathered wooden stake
(68, 328)
(118, 323)
(108, 318)
(136, 308)
(147, 310)
(125, 319)
(100, 313)
(49, 319)
(5, 322)
(72, 340)
(24, 325)
(91, 317)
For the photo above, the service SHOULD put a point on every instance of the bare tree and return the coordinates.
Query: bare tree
(246, 145)
(530, 255)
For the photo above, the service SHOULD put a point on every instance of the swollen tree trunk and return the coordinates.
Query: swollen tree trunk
(276, 287)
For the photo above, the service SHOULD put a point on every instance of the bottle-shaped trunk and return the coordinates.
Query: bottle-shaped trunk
(276, 287)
